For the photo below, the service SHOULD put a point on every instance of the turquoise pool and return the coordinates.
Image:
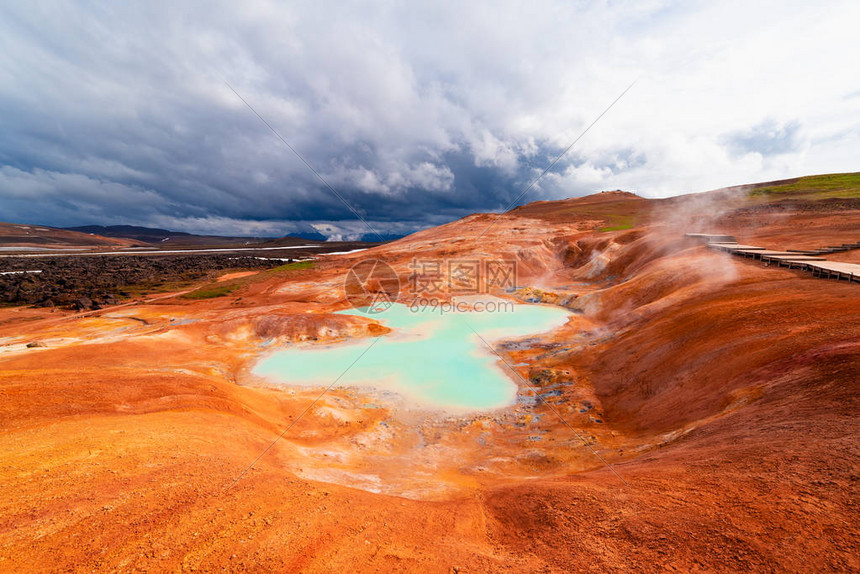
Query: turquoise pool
(434, 360)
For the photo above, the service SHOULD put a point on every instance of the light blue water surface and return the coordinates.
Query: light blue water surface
(434, 360)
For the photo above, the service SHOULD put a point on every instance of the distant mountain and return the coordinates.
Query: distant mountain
(365, 237)
(146, 234)
(310, 236)
(29, 236)
(165, 237)
(159, 236)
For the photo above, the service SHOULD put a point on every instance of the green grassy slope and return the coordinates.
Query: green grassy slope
(838, 185)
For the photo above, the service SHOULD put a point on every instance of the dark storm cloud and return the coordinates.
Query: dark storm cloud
(417, 113)
(121, 115)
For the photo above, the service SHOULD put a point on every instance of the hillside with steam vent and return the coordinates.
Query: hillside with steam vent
(696, 409)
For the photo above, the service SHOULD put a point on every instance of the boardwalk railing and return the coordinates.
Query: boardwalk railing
(805, 260)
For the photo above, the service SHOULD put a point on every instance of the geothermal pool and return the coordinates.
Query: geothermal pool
(433, 360)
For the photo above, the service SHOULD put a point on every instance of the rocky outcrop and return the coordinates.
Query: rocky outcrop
(92, 282)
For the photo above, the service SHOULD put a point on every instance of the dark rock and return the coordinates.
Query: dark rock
(36, 344)
(68, 280)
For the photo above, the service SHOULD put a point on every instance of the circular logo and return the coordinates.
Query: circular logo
(371, 286)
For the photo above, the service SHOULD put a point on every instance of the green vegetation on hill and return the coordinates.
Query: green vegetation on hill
(295, 266)
(621, 227)
(211, 291)
(836, 185)
(619, 223)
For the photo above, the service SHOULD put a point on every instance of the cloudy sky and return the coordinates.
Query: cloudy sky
(417, 113)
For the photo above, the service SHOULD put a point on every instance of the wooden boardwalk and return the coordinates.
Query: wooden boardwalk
(805, 260)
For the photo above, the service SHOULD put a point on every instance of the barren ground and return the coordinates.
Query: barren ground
(722, 392)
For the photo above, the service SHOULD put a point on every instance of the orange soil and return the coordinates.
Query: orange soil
(726, 394)
(237, 275)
